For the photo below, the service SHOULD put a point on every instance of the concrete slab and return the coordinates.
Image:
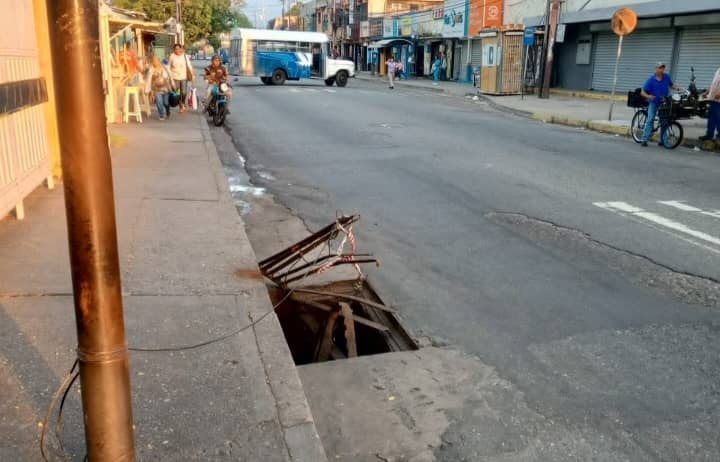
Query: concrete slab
(184, 247)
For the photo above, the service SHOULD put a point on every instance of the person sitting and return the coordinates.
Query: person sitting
(215, 74)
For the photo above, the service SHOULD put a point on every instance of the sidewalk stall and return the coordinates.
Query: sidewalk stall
(119, 28)
(502, 60)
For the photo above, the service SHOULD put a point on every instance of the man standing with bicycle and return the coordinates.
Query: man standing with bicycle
(655, 89)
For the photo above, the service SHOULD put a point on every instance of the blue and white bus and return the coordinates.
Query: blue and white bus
(278, 55)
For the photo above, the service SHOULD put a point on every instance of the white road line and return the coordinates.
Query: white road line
(624, 208)
(331, 91)
(689, 208)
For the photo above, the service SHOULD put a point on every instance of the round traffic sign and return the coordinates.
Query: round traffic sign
(624, 21)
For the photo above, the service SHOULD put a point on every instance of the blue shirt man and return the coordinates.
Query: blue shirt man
(655, 88)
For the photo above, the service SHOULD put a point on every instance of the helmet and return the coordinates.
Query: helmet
(214, 57)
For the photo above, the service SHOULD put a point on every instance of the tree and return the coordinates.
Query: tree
(201, 18)
(295, 9)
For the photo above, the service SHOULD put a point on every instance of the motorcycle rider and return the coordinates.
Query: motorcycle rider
(215, 74)
(655, 89)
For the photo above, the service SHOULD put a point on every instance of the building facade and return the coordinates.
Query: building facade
(683, 35)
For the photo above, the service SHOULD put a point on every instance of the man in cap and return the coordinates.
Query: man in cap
(655, 89)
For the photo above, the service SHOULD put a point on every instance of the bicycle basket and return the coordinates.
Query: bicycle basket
(635, 99)
(665, 110)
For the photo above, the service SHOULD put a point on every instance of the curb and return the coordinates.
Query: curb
(593, 125)
(299, 432)
(381, 80)
(588, 95)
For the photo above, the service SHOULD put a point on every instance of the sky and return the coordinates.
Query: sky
(254, 8)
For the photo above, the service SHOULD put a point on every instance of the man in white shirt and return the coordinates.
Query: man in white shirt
(713, 94)
(181, 71)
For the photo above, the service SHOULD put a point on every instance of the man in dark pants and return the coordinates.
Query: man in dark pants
(713, 94)
(655, 89)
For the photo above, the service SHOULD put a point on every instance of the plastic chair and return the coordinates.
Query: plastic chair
(132, 93)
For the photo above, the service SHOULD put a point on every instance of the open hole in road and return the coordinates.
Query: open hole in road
(339, 320)
(331, 320)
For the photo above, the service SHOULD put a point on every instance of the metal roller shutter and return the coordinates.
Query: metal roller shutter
(476, 55)
(641, 50)
(699, 48)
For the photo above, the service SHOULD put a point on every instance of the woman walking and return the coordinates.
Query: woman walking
(160, 83)
(181, 71)
(391, 71)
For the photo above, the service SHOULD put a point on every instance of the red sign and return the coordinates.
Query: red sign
(484, 14)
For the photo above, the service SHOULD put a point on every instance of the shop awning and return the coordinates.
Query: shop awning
(387, 42)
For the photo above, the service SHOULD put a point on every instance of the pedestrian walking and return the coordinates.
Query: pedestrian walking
(443, 67)
(713, 124)
(391, 71)
(435, 69)
(400, 70)
(181, 71)
(655, 89)
(160, 83)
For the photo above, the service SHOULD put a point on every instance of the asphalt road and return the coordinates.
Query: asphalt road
(582, 267)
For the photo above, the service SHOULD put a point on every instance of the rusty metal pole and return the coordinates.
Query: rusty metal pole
(90, 210)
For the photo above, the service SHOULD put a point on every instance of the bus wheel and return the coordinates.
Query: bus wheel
(341, 78)
(329, 82)
(278, 77)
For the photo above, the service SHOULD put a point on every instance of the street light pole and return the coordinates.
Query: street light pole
(90, 210)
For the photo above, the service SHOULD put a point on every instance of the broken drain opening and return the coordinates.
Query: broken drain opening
(336, 320)
(339, 320)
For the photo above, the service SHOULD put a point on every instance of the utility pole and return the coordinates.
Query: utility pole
(90, 211)
(178, 18)
(547, 74)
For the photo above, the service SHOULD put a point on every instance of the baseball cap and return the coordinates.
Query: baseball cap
(660, 64)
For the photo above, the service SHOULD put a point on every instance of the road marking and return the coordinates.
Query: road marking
(689, 208)
(294, 90)
(331, 91)
(625, 208)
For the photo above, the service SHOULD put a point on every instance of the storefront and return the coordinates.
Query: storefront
(680, 34)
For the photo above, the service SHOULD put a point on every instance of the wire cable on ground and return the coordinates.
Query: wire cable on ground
(74, 372)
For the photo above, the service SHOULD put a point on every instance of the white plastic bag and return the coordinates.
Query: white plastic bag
(194, 99)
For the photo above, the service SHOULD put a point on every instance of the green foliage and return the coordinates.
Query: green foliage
(295, 9)
(215, 42)
(201, 18)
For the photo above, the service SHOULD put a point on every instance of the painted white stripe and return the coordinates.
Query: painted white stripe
(678, 227)
(624, 207)
(680, 205)
(689, 208)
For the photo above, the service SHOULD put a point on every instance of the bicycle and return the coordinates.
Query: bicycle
(666, 115)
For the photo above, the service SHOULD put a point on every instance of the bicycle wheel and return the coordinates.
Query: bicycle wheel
(674, 135)
(637, 126)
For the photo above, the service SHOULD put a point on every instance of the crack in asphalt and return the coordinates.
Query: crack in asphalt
(688, 281)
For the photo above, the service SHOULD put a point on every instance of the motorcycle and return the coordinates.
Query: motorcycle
(690, 101)
(217, 107)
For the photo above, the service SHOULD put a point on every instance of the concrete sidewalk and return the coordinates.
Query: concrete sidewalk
(588, 110)
(189, 276)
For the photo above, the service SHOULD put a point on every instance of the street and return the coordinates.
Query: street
(583, 269)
